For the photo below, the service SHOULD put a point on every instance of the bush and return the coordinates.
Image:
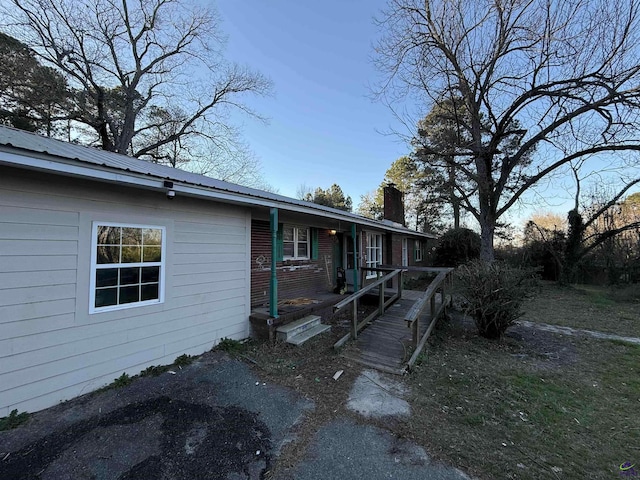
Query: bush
(626, 293)
(457, 246)
(493, 294)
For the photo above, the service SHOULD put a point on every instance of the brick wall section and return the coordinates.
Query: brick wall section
(395, 251)
(295, 278)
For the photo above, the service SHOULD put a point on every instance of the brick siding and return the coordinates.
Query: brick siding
(296, 278)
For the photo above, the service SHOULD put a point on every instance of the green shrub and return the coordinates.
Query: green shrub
(122, 381)
(457, 246)
(154, 370)
(493, 294)
(13, 420)
(231, 346)
(184, 360)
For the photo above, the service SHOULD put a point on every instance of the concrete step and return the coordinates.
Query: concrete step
(285, 332)
(307, 334)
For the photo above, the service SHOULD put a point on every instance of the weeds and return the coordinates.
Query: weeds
(122, 381)
(13, 420)
(154, 370)
(184, 360)
(231, 346)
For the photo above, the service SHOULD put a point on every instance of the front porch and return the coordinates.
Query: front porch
(263, 325)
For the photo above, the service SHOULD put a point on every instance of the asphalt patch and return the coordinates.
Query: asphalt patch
(344, 449)
(212, 419)
(158, 438)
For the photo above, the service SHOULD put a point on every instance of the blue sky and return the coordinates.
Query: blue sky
(323, 127)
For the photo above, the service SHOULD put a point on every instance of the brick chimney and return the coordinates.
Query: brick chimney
(393, 204)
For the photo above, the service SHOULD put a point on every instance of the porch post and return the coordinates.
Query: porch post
(355, 258)
(273, 283)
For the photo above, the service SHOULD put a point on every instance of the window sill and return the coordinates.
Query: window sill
(124, 306)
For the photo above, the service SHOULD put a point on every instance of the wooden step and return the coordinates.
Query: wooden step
(285, 332)
(307, 334)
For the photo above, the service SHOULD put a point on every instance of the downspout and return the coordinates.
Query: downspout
(355, 258)
(273, 282)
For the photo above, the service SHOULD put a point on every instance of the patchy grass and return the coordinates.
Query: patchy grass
(533, 406)
(586, 307)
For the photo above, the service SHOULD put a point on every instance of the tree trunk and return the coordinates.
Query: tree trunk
(487, 217)
(487, 230)
(453, 199)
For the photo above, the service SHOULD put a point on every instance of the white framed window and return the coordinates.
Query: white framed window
(374, 253)
(418, 250)
(295, 243)
(127, 266)
(405, 252)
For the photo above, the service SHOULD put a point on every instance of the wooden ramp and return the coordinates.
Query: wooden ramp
(386, 343)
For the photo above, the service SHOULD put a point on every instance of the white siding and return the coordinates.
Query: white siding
(51, 348)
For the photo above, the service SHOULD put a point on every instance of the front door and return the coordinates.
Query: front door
(349, 259)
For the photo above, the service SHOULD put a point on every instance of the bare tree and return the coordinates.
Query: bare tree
(148, 74)
(604, 223)
(561, 79)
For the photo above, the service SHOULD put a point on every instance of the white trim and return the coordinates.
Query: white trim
(94, 266)
(373, 250)
(405, 252)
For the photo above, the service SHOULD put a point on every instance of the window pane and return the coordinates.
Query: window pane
(302, 250)
(106, 297)
(118, 245)
(152, 254)
(131, 236)
(131, 254)
(302, 234)
(150, 274)
(130, 294)
(108, 255)
(129, 276)
(150, 292)
(106, 277)
(287, 234)
(152, 236)
(108, 235)
(287, 249)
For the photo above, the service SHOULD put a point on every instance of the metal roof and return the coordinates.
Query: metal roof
(27, 142)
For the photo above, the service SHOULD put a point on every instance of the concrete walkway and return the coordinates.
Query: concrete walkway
(577, 332)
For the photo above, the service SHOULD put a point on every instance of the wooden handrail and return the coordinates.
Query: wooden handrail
(356, 326)
(412, 315)
(365, 290)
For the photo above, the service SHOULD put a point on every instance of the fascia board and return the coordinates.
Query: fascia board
(142, 181)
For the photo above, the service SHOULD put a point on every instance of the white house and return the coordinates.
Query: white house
(110, 264)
